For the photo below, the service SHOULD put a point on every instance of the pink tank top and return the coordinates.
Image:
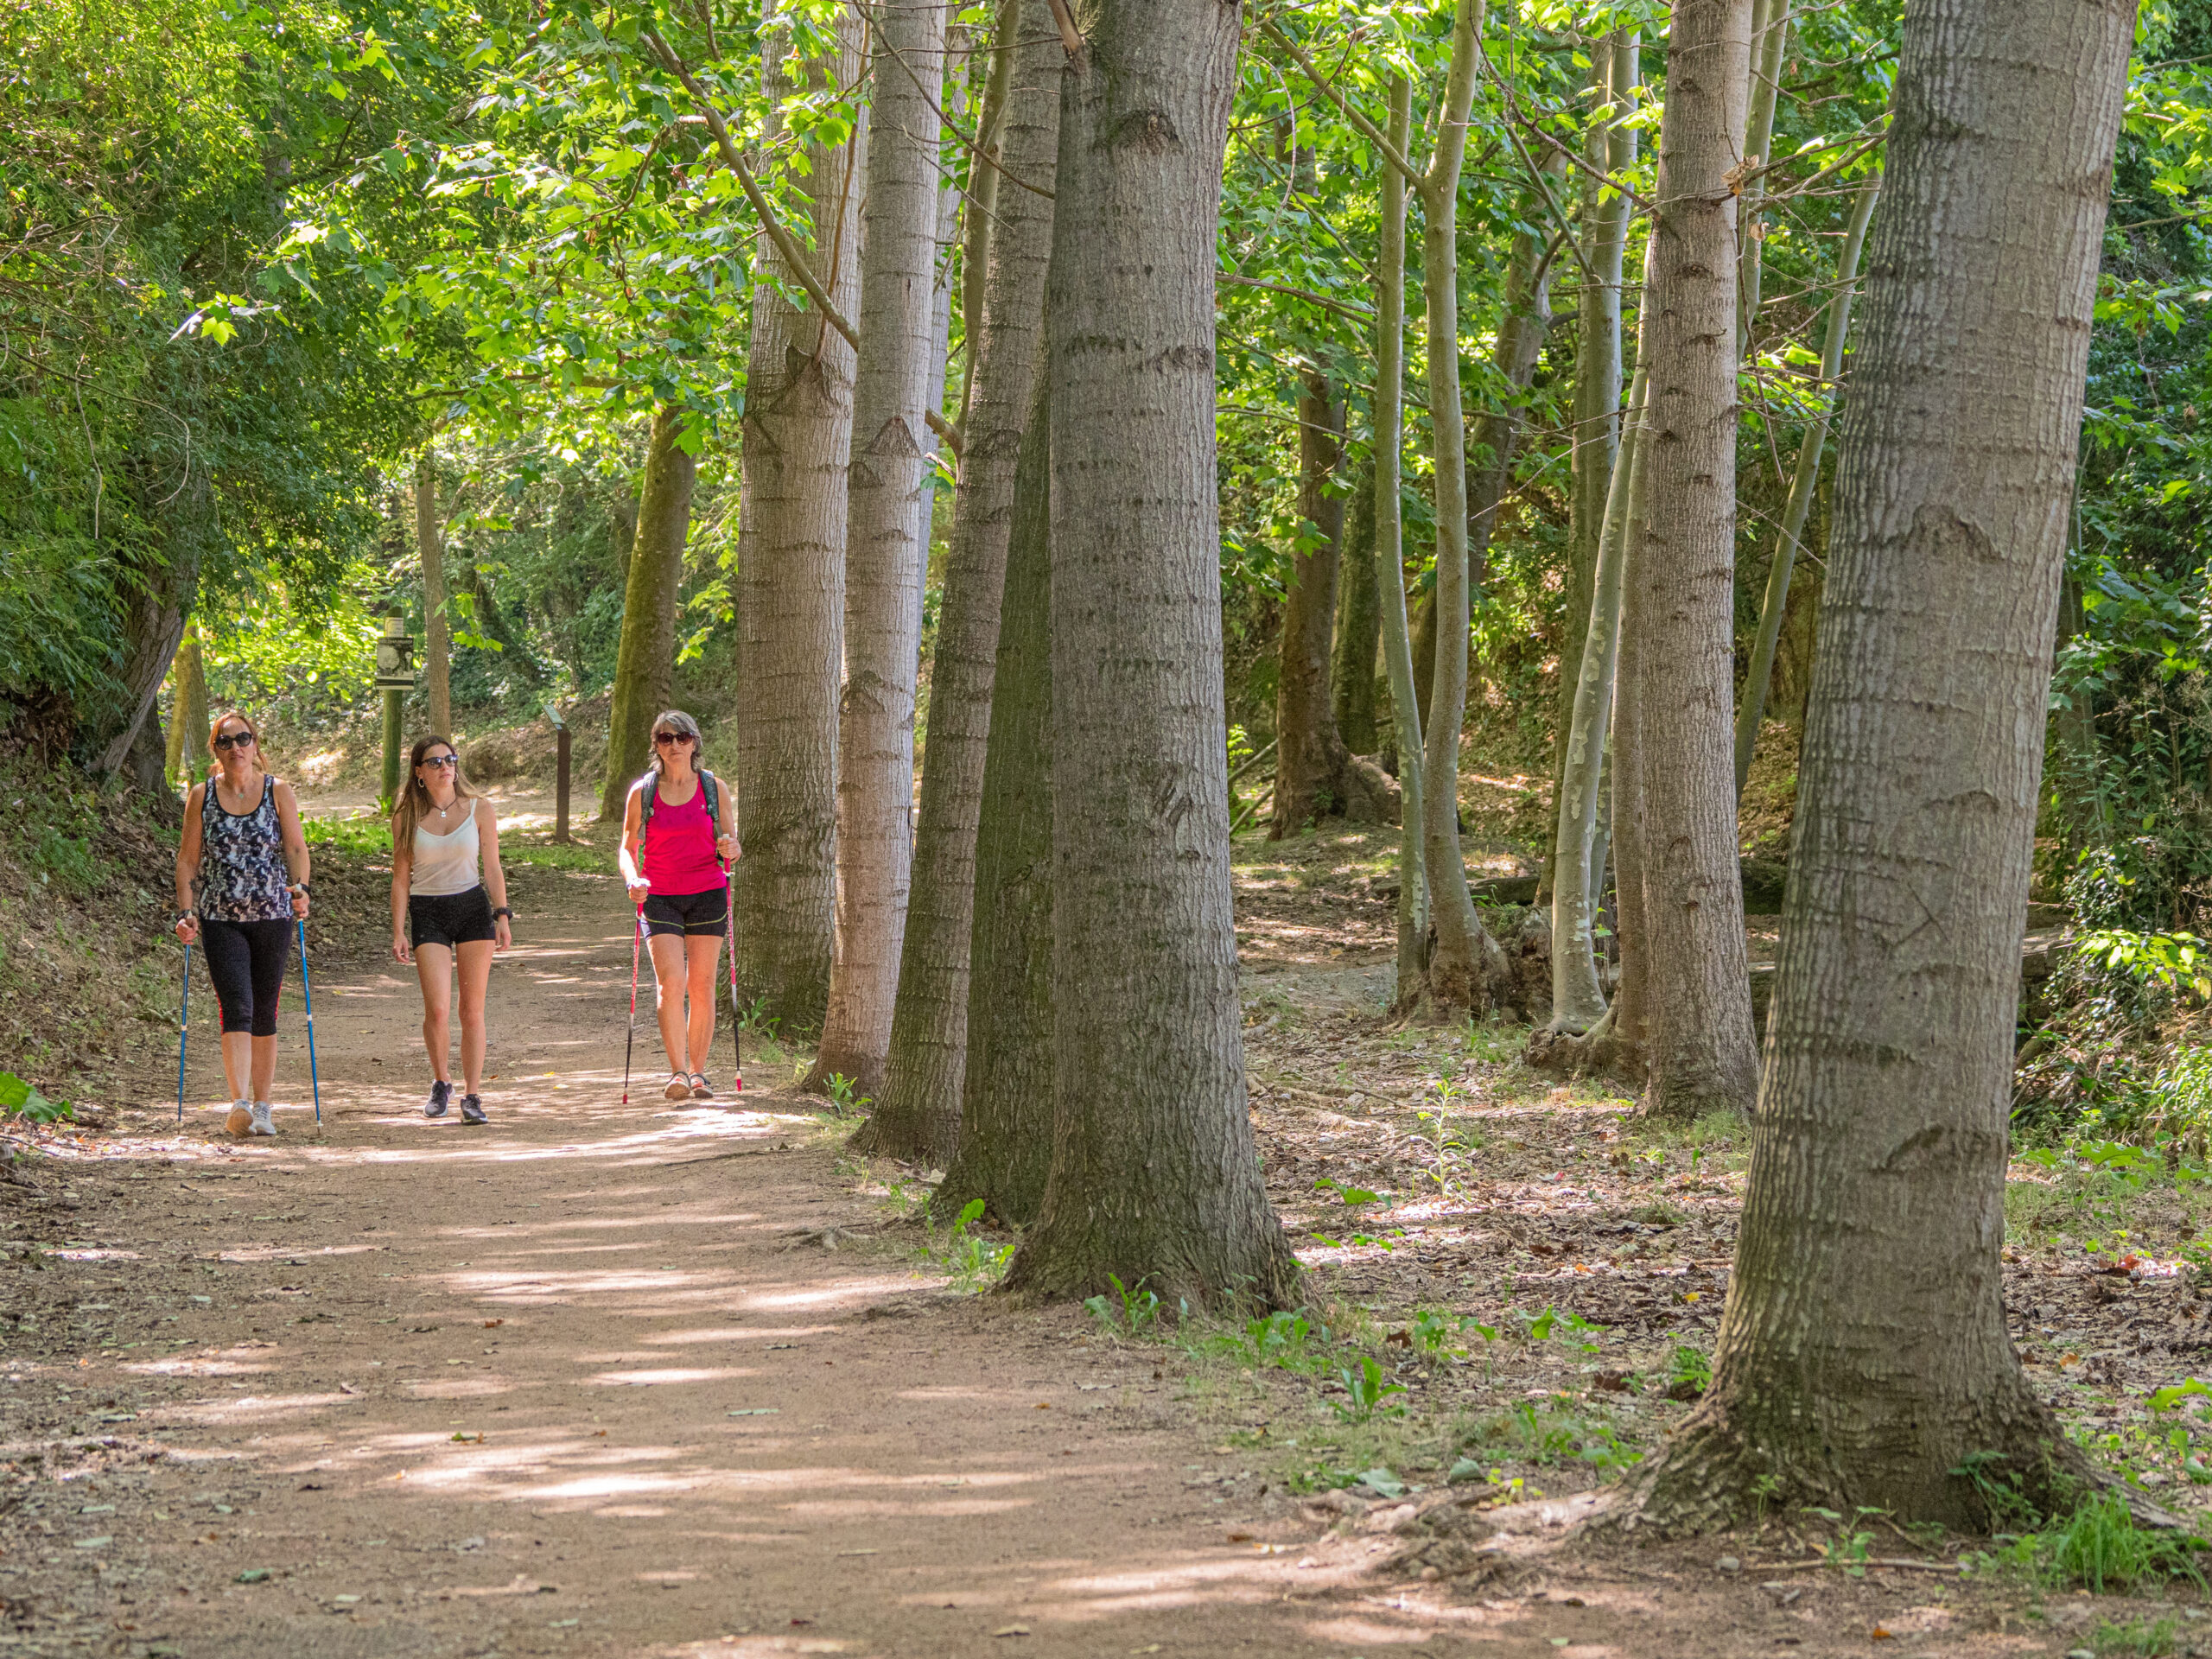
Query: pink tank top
(680, 848)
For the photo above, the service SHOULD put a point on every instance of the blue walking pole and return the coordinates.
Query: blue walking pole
(307, 983)
(183, 1030)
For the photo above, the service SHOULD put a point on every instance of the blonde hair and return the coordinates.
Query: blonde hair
(414, 799)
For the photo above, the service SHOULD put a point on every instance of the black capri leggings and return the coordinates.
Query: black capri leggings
(247, 960)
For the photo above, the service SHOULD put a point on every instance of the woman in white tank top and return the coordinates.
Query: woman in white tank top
(442, 913)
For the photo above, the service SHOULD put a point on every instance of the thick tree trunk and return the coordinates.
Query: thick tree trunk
(1751, 707)
(645, 659)
(920, 1105)
(1314, 771)
(1863, 1356)
(159, 589)
(883, 563)
(1006, 1096)
(188, 746)
(1358, 626)
(1682, 584)
(1466, 961)
(429, 547)
(1154, 1179)
(980, 223)
(1390, 558)
(791, 578)
(1609, 146)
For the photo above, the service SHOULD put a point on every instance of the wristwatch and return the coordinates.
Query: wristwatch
(502, 911)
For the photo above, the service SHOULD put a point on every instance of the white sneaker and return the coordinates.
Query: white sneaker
(263, 1124)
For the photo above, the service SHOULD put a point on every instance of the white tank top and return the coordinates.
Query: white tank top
(445, 864)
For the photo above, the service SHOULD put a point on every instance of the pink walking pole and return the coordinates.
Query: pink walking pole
(736, 1055)
(637, 935)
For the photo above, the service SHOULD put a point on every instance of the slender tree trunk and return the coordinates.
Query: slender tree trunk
(921, 1106)
(1465, 960)
(1006, 1098)
(429, 547)
(188, 747)
(1390, 554)
(1682, 584)
(883, 565)
(1154, 1179)
(1863, 1357)
(161, 585)
(1609, 146)
(1752, 708)
(645, 659)
(1424, 648)
(1358, 625)
(1770, 41)
(790, 579)
(1578, 1000)
(980, 223)
(1310, 759)
(1619, 1041)
(959, 49)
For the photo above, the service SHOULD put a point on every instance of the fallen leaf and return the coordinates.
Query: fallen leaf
(1044, 1405)
(1013, 1629)
(488, 1323)
(1240, 1537)
(1881, 1634)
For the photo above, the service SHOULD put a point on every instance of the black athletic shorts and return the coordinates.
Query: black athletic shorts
(687, 912)
(450, 918)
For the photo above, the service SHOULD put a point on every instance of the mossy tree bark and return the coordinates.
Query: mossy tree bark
(188, 755)
(791, 578)
(1681, 601)
(1863, 1355)
(645, 657)
(1154, 1179)
(437, 635)
(1358, 635)
(920, 1111)
(884, 558)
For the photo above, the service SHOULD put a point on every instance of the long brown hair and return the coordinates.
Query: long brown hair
(414, 799)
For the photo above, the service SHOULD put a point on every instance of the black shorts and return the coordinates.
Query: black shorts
(687, 912)
(450, 918)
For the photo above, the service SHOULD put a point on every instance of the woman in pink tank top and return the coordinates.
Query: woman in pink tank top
(676, 845)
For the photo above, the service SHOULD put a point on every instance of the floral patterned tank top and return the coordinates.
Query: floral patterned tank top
(243, 877)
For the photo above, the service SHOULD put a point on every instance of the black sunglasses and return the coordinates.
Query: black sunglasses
(672, 737)
(442, 760)
(235, 740)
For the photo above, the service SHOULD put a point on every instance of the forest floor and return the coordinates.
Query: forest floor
(756, 1403)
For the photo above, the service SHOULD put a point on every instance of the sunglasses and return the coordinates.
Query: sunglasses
(672, 737)
(235, 740)
(442, 760)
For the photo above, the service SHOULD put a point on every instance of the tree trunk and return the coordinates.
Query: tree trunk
(437, 655)
(883, 565)
(1863, 1357)
(1358, 626)
(1424, 649)
(1006, 1097)
(1752, 706)
(1312, 766)
(1467, 960)
(920, 1105)
(1154, 1179)
(791, 576)
(980, 223)
(187, 748)
(1391, 557)
(158, 589)
(1682, 584)
(1610, 147)
(645, 659)
(1770, 41)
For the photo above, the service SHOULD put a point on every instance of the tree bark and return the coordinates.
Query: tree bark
(1863, 1355)
(1312, 766)
(1389, 555)
(1465, 960)
(790, 579)
(1769, 40)
(920, 1105)
(1609, 146)
(429, 547)
(1005, 1150)
(1683, 587)
(188, 747)
(645, 657)
(1358, 626)
(1154, 1179)
(158, 589)
(883, 565)
(1805, 476)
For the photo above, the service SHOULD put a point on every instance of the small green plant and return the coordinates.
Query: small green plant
(1430, 1332)
(1138, 1310)
(971, 1261)
(1690, 1371)
(2100, 1545)
(2151, 1638)
(19, 1099)
(843, 1101)
(1367, 1390)
(1284, 1339)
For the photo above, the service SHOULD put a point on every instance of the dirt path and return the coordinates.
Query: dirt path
(662, 1381)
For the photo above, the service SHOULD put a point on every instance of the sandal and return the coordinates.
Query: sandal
(700, 1088)
(679, 1087)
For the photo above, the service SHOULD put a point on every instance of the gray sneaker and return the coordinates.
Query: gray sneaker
(472, 1109)
(262, 1124)
(440, 1096)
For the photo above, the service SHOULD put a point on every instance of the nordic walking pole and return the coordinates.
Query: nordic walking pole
(636, 936)
(183, 1030)
(308, 985)
(736, 1055)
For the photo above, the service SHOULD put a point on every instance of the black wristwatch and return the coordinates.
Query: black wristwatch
(502, 911)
